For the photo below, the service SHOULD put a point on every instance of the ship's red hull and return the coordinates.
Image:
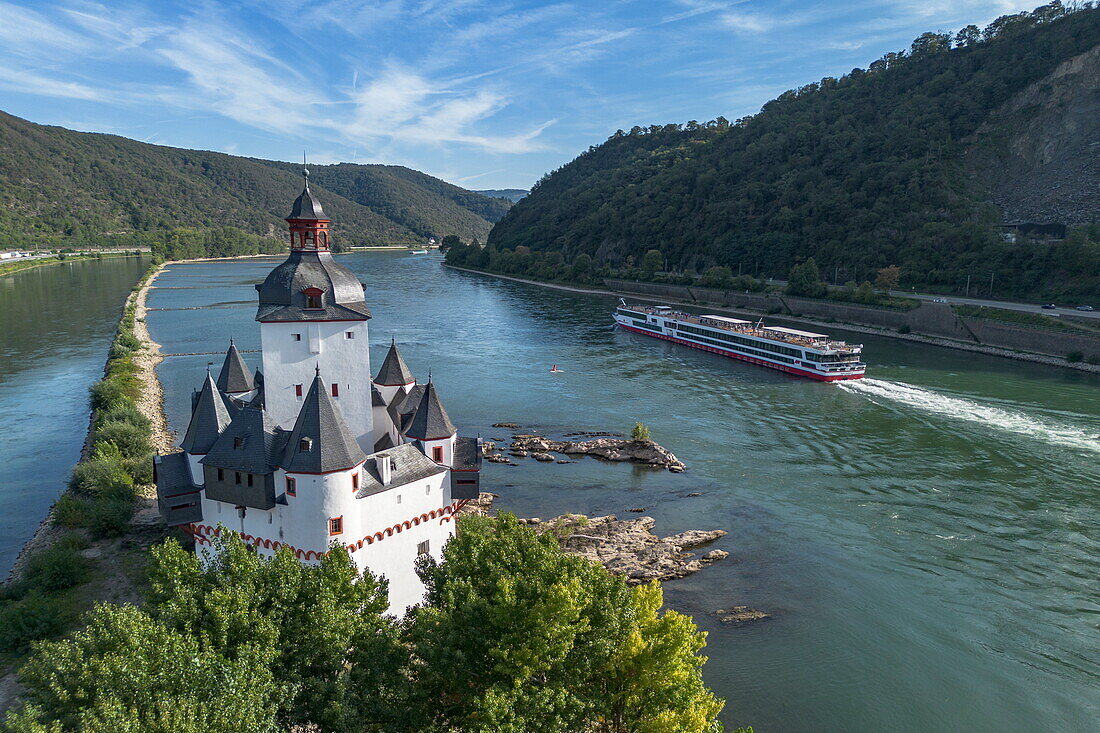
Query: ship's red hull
(743, 357)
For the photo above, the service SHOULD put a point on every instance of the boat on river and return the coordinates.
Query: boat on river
(802, 353)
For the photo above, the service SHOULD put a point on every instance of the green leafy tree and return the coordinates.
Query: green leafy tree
(805, 280)
(559, 642)
(639, 432)
(652, 262)
(720, 277)
(887, 278)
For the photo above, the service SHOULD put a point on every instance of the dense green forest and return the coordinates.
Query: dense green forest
(61, 188)
(860, 173)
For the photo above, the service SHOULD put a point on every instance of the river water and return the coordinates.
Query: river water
(926, 539)
(56, 324)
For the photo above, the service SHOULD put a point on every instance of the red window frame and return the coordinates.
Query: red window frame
(297, 390)
(437, 453)
(335, 389)
(314, 298)
(336, 525)
(291, 486)
(355, 480)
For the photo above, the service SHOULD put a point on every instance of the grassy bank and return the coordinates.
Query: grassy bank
(81, 556)
(8, 268)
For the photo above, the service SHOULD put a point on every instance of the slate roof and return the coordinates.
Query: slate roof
(235, 376)
(173, 476)
(467, 455)
(430, 421)
(376, 398)
(209, 417)
(332, 446)
(384, 442)
(259, 448)
(282, 296)
(403, 405)
(306, 206)
(409, 466)
(394, 371)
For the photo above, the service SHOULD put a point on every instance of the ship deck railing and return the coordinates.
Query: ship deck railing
(750, 329)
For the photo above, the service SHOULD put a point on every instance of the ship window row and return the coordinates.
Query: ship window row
(648, 326)
(832, 358)
(632, 314)
(741, 340)
(739, 348)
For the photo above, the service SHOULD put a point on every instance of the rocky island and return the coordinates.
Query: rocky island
(644, 452)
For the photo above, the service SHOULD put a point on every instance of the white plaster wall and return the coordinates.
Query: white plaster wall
(345, 361)
(448, 449)
(193, 465)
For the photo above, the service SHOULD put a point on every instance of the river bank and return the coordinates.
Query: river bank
(847, 325)
(10, 268)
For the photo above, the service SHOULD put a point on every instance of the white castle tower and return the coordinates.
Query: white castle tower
(311, 452)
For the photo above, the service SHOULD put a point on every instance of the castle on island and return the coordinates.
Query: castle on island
(309, 451)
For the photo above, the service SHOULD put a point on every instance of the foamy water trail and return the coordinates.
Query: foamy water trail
(964, 409)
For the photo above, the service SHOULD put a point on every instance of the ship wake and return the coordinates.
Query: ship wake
(959, 408)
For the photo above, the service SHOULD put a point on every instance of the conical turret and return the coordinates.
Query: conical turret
(430, 421)
(208, 419)
(235, 377)
(321, 441)
(394, 371)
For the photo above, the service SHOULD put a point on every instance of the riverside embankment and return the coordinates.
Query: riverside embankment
(929, 323)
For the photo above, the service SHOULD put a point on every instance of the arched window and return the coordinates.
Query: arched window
(314, 298)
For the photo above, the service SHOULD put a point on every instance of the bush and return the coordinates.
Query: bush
(140, 468)
(110, 517)
(29, 619)
(56, 568)
(103, 476)
(1074, 356)
(124, 412)
(904, 329)
(639, 432)
(71, 511)
(131, 440)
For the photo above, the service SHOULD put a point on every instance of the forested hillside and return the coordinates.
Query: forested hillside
(869, 170)
(58, 187)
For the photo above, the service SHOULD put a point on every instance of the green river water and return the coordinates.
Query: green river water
(926, 539)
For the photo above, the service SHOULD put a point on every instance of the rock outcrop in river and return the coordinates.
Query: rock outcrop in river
(646, 452)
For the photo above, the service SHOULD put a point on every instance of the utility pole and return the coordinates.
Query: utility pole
(967, 286)
(991, 286)
(836, 275)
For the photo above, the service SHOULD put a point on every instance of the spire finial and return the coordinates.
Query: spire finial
(230, 340)
(318, 369)
(208, 365)
(305, 170)
(429, 376)
(393, 341)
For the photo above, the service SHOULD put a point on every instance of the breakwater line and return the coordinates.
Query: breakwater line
(958, 408)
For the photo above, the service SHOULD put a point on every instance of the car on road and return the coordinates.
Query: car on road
(939, 300)
(1084, 308)
(1049, 307)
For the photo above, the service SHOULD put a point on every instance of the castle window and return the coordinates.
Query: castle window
(355, 480)
(296, 336)
(437, 454)
(297, 390)
(399, 498)
(249, 479)
(238, 441)
(336, 525)
(237, 477)
(422, 548)
(313, 297)
(305, 444)
(291, 486)
(221, 474)
(349, 334)
(335, 389)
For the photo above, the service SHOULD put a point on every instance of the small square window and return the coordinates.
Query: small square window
(399, 498)
(296, 336)
(291, 486)
(336, 525)
(422, 548)
(335, 389)
(305, 444)
(297, 390)
(349, 334)
(238, 441)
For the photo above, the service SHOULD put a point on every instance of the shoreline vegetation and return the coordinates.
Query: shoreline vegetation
(9, 268)
(858, 328)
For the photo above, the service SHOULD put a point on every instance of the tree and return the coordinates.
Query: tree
(560, 644)
(887, 278)
(717, 277)
(449, 241)
(639, 432)
(652, 262)
(968, 36)
(805, 280)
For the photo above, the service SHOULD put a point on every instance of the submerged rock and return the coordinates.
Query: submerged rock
(740, 615)
(543, 457)
(509, 425)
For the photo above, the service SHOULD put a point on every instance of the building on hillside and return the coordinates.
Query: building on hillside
(311, 452)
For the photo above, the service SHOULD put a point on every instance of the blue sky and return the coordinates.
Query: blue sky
(483, 94)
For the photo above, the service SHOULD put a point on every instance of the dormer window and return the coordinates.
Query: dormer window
(305, 444)
(313, 298)
(238, 441)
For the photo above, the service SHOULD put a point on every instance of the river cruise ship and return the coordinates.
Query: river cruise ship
(803, 353)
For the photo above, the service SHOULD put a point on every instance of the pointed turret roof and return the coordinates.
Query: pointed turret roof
(430, 421)
(306, 206)
(394, 371)
(321, 441)
(235, 376)
(209, 417)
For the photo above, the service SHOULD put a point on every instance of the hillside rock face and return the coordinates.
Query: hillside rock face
(1039, 154)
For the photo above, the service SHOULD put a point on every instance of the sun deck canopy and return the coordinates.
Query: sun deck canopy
(724, 319)
(795, 332)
